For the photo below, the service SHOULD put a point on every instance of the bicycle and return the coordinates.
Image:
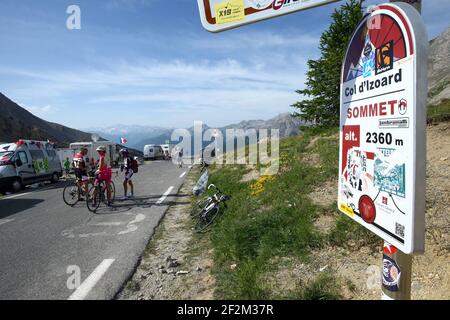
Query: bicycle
(73, 192)
(209, 209)
(97, 195)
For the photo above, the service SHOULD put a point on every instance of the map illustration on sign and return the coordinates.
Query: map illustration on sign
(381, 115)
(220, 15)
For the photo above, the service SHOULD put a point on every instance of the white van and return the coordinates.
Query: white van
(112, 156)
(63, 154)
(153, 151)
(26, 162)
(167, 148)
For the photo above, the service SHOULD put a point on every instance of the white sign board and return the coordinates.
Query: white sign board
(219, 15)
(382, 126)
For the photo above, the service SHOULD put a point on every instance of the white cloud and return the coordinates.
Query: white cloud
(40, 110)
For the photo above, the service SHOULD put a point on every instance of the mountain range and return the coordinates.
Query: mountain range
(138, 136)
(16, 122)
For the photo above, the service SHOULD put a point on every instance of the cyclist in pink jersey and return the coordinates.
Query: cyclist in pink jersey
(103, 173)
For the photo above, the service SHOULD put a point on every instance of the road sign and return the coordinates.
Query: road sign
(382, 127)
(220, 15)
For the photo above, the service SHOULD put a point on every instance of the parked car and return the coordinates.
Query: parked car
(153, 151)
(26, 162)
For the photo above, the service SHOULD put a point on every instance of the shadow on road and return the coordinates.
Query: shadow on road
(123, 205)
(9, 207)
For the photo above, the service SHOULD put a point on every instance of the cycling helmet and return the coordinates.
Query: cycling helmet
(101, 148)
(124, 151)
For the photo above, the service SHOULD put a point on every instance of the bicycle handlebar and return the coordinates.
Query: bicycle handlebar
(213, 186)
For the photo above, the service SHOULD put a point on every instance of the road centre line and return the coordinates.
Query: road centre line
(164, 196)
(83, 290)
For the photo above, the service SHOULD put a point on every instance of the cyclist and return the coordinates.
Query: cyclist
(79, 165)
(127, 166)
(103, 174)
(180, 158)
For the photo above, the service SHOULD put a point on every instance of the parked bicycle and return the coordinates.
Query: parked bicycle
(97, 195)
(206, 211)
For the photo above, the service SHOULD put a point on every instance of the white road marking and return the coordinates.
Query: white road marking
(130, 228)
(15, 196)
(3, 221)
(106, 224)
(139, 218)
(182, 175)
(83, 290)
(164, 196)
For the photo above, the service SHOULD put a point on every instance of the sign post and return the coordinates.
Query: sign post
(400, 259)
(383, 147)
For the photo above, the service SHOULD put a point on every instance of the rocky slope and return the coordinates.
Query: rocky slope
(18, 123)
(439, 69)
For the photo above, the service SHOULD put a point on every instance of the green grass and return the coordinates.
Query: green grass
(324, 287)
(347, 231)
(439, 113)
(278, 221)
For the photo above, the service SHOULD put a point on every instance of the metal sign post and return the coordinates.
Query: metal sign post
(383, 136)
(393, 259)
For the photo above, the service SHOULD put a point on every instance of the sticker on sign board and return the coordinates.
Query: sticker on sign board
(229, 11)
(382, 122)
(391, 274)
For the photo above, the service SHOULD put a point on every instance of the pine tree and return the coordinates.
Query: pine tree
(323, 76)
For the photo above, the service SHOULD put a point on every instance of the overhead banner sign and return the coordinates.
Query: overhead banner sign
(220, 15)
(382, 126)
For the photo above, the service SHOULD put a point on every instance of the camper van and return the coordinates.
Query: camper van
(26, 162)
(64, 153)
(112, 156)
(153, 151)
(167, 149)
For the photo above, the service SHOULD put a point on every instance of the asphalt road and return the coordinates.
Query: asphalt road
(49, 250)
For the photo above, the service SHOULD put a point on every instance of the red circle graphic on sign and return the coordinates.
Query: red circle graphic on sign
(367, 209)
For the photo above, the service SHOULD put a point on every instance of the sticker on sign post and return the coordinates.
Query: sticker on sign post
(382, 128)
(220, 15)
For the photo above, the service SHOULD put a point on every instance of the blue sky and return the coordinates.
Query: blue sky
(150, 62)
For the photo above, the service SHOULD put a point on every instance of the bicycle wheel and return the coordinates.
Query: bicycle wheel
(71, 193)
(93, 202)
(206, 218)
(199, 206)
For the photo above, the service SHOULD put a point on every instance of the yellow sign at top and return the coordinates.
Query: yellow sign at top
(230, 11)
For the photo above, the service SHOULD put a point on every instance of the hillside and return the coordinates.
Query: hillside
(18, 123)
(439, 69)
(270, 244)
